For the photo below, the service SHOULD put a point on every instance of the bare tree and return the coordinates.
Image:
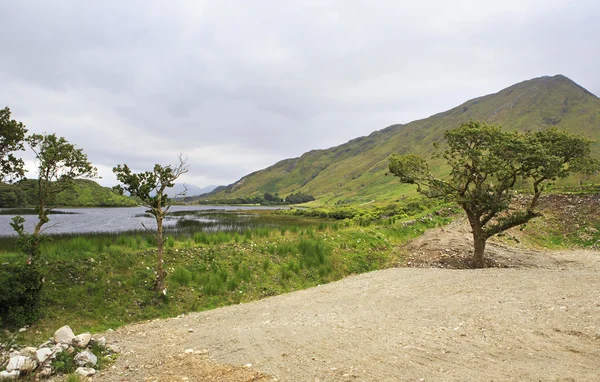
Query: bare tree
(150, 187)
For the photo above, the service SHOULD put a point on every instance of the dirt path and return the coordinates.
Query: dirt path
(539, 321)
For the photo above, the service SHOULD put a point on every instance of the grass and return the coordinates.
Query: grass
(115, 273)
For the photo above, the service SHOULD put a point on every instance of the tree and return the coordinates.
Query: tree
(150, 187)
(486, 163)
(58, 162)
(12, 136)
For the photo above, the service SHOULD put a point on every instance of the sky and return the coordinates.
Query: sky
(236, 86)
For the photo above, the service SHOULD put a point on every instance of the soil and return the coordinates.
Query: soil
(535, 316)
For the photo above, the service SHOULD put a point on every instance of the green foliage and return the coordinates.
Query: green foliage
(485, 165)
(20, 287)
(64, 363)
(12, 136)
(181, 276)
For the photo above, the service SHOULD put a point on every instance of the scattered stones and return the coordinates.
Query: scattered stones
(34, 363)
(81, 341)
(64, 335)
(85, 371)
(85, 358)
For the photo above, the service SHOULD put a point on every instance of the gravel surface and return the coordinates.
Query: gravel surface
(536, 321)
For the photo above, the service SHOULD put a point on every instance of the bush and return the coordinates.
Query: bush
(20, 287)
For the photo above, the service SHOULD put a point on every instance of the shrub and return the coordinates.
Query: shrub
(20, 287)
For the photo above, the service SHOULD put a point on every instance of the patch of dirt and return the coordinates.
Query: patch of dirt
(534, 316)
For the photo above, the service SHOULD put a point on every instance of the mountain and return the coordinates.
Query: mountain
(190, 190)
(354, 172)
(81, 193)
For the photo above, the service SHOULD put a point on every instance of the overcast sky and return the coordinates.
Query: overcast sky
(239, 85)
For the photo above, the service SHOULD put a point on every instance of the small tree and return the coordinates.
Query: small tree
(485, 164)
(12, 136)
(58, 162)
(150, 187)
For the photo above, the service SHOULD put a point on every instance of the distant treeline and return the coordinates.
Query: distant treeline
(268, 199)
(81, 193)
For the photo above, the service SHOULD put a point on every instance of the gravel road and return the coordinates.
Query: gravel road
(537, 322)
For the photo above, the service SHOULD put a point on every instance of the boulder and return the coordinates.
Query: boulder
(21, 363)
(81, 341)
(42, 354)
(85, 358)
(64, 335)
(85, 371)
(9, 375)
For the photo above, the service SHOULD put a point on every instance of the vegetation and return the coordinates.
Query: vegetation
(12, 135)
(267, 199)
(150, 188)
(485, 165)
(79, 193)
(353, 173)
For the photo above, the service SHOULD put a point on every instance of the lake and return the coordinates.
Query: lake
(181, 219)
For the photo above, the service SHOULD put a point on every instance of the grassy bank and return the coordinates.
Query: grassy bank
(96, 282)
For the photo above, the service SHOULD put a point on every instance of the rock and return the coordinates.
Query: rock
(113, 348)
(28, 352)
(81, 341)
(46, 372)
(85, 371)
(9, 375)
(22, 330)
(64, 335)
(21, 363)
(70, 350)
(42, 354)
(85, 358)
(100, 341)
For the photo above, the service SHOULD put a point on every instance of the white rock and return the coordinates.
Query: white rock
(28, 351)
(82, 340)
(21, 363)
(85, 358)
(22, 330)
(85, 371)
(189, 351)
(9, 375)
(100, 341)
(46, 372)
(64, 335)
(42, 354)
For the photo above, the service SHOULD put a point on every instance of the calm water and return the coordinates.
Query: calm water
(182, 218)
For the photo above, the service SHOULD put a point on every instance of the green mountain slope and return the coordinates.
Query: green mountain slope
(354, 172)
(81, 193)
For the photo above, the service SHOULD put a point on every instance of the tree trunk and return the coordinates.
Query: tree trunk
(479, 240)
(478, 250)
(160, 273)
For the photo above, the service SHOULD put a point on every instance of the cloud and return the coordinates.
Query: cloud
(237, 85)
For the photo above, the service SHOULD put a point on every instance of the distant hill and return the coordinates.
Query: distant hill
(82, 193)
(354, 172)
(190, 190)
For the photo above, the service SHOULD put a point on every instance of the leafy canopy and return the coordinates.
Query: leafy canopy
(12, 136)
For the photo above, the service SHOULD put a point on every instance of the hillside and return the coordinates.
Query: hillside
(354, 172)
(82, 193)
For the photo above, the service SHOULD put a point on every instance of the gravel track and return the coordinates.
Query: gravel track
(539, 321)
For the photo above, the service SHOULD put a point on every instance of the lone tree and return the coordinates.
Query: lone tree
(58, 162)
(486, 163)
(151, 187)
(12, 136)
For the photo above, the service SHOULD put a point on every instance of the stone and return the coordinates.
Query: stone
(21, 363)
(64, 335)
(82, 340)
(85, 358)
(85, 371)
(100, 341)
(22, 330)
(113, 348)
(28, 352)
(45, 372)
(70, 350)
(42, 354)
(9, 375)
